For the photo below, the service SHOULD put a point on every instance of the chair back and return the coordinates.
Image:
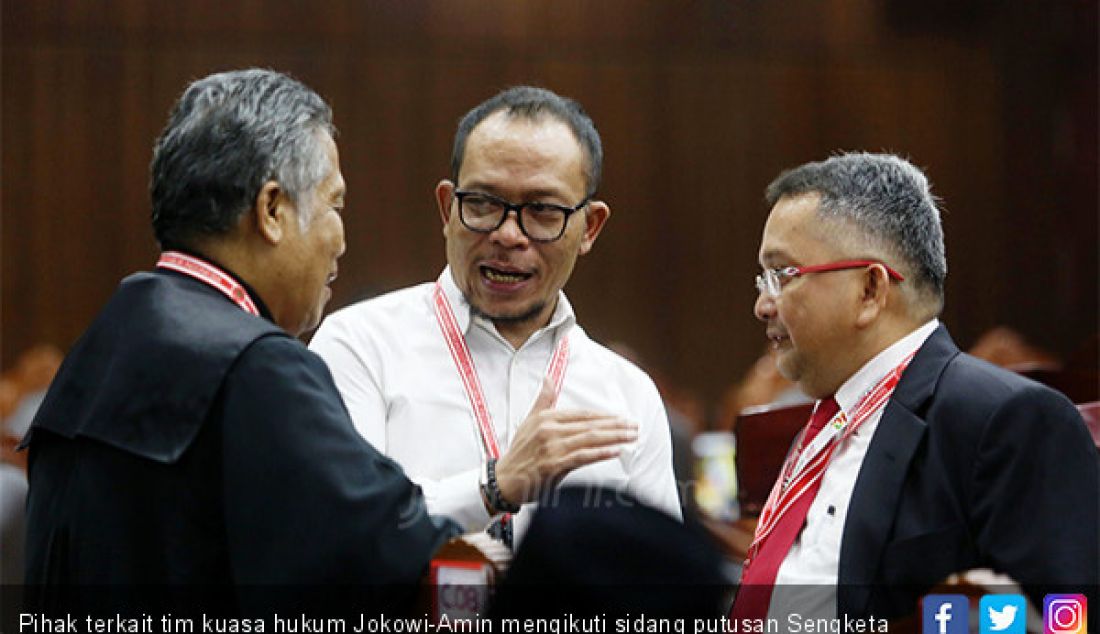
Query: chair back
(764, 436)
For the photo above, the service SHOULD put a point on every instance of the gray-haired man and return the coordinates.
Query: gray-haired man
(189, 438)
(921, 461)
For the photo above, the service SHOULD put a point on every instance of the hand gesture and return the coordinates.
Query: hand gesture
(551, 443)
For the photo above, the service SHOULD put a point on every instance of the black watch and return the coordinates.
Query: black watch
(491, 489)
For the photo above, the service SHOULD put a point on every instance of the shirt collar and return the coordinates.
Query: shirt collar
(859, 383)
(561, 321)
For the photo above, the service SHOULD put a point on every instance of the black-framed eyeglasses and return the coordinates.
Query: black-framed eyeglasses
(541, 222)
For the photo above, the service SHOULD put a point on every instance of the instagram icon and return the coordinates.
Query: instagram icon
(1065, 614)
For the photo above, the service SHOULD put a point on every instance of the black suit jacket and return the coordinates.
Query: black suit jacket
(970, 467)
(185, 441)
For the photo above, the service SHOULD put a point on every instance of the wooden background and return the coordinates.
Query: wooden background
(700, 104)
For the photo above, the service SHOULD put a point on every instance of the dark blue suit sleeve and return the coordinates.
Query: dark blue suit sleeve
(1036, 494)
(307, 500)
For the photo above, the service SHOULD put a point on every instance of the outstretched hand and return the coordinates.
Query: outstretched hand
(551, 443)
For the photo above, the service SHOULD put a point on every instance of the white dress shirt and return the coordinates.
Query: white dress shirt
(402, 388)
(810, 570)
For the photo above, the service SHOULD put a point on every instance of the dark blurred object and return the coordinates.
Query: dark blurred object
(971, 19)
(764, 435)
(1078, 378)
(593, 551)
(1009, 349)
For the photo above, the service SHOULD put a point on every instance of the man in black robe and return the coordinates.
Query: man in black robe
(189, 438)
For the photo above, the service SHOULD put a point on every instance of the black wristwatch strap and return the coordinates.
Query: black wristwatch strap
(501, 529)
(492, 490)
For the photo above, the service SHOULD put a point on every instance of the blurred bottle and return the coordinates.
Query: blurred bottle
(716, 475)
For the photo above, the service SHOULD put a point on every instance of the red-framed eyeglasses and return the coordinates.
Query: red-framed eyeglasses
(771, 281)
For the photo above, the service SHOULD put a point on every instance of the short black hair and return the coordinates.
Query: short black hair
(533, 103)
(228, 134)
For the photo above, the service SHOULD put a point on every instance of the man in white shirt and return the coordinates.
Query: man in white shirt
(481, 384)
(921, 461)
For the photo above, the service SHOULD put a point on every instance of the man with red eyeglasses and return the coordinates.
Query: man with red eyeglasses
(919, 461)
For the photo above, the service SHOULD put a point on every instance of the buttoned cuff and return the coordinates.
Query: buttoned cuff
(459, 498)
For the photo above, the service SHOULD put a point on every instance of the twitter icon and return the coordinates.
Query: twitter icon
(1003, 614)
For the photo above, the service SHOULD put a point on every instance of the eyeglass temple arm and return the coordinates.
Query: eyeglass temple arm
(849, 264)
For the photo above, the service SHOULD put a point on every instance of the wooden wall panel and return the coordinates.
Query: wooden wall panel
(700, 105)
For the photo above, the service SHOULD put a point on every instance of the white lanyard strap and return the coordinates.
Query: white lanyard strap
(464, 363)
(209, 274)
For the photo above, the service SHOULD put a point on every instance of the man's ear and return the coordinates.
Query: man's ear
(595, 217)
(872, 300)
(271, 211)
(444, 195)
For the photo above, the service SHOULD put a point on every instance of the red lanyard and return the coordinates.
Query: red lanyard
(793, 483)
(460, 353)
(211, 275)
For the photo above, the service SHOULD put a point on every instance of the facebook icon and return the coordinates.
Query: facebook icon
(945, 614)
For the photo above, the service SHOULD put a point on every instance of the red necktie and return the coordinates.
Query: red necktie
(758, 579)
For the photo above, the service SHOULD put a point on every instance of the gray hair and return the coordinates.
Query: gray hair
(532, 103)
(228, 134)
(885, 196)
